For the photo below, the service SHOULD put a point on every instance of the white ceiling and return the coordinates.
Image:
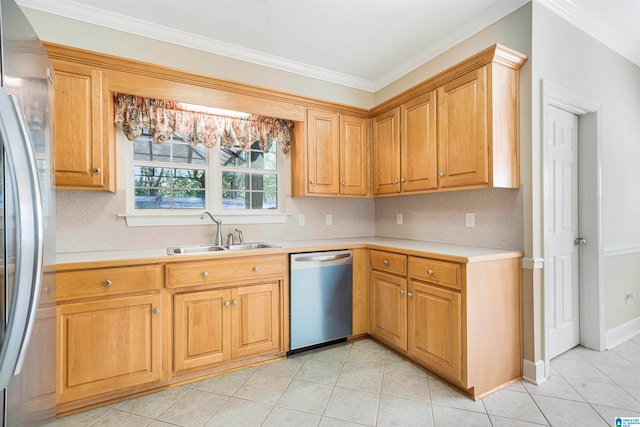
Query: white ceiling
(364, 44)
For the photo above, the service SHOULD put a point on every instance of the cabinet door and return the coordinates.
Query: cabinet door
(418, 148)
(434, 323)
(108, 345)
(354, 156)
(389, 309)
(201, 329)
(463, 143)
(323, 152)
(386, 153)
(81, 127)
(255, 319)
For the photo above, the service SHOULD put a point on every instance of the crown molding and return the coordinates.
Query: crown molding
(120, 22)
(595, 27)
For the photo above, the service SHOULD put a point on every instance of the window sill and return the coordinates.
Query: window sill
(191, 218)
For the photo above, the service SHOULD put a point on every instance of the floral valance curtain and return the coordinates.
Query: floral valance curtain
(162, 118)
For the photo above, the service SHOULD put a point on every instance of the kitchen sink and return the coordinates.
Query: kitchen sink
(202, 249)
(249, 246)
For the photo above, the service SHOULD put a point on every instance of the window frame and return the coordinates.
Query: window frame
(213, 196)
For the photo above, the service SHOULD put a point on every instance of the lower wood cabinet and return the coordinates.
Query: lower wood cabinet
(107, 345)
(460, 320)
(214, 326)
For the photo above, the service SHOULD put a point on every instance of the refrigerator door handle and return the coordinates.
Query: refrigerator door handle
(23, 176)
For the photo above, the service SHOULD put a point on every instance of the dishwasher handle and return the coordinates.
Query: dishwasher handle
(322, 257)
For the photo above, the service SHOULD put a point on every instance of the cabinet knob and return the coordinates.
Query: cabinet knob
(312, 182)
(205, 273)
(429, 272)
(97, 170)
(440, 173)
(235, 302)
(409, 294)
(256, 268)
(227, 303)
(385, 261)
(156, 310)
(108, 282)
(403, 180)
(401, 291)
(395, 181)
(344, 183)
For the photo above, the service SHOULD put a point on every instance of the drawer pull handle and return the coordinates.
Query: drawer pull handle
(401, 291)
(108, 283)
(156, 310)
(205, 273)
(429, 272)
(409, 294)
(385, 261)
(227, 303)
(235, 302)
(256, 268)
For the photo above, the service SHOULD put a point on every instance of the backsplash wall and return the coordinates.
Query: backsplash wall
(88, 221)
(440, 217)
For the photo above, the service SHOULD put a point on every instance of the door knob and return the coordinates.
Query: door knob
(156, 310)
(108, 282)
(440, 173)
(401, 291)
(409, 294)
(579, 241)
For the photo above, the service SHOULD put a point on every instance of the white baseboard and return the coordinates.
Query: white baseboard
(533, 372)
(622, 333)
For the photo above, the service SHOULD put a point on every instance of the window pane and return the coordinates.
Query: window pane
(183, 153)
(234, 157)
(235, 200)
(189, 178)
(188, 199)
(235, 181)
(151, 198)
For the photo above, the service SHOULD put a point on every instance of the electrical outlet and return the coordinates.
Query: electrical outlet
(470, 220)
(300, 219)
(628, 296)
(399, 219)
(329, 219)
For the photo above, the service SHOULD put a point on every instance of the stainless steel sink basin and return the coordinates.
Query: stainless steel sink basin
(202, 249)
(250, 246)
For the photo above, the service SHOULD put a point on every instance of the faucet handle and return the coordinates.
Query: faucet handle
(240, 236)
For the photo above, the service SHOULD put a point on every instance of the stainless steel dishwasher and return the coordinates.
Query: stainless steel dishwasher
(320, 297)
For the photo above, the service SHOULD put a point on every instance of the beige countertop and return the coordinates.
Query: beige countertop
(457, 253)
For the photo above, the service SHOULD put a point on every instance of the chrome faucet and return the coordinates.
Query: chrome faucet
(240, 238)
(218, 224)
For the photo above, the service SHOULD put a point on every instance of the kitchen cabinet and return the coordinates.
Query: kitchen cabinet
(457, 130)
(107, 342)
(235, 312)
(334, 160)
(214, 326)
(405, 150)
(388, 303)
(83, 153)
(460, 320)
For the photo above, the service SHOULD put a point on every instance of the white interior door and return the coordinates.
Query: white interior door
(563, 258)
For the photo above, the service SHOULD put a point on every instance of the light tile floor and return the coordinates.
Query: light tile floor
(364, 384)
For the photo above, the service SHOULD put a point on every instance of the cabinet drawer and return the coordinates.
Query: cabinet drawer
(108, 281)
(439, 272)
(388, 261)
(224, 271)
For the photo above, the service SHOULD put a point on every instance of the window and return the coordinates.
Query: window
(174, 178)
(170, 175)
(249, 179)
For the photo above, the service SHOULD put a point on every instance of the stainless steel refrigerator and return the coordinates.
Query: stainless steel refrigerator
(27, 240)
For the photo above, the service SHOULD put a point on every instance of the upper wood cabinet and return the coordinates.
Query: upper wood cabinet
(405, 148)
(457, 130)
(83, 154)
(334, 158)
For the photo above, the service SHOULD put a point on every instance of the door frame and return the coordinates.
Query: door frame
(589, 213)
